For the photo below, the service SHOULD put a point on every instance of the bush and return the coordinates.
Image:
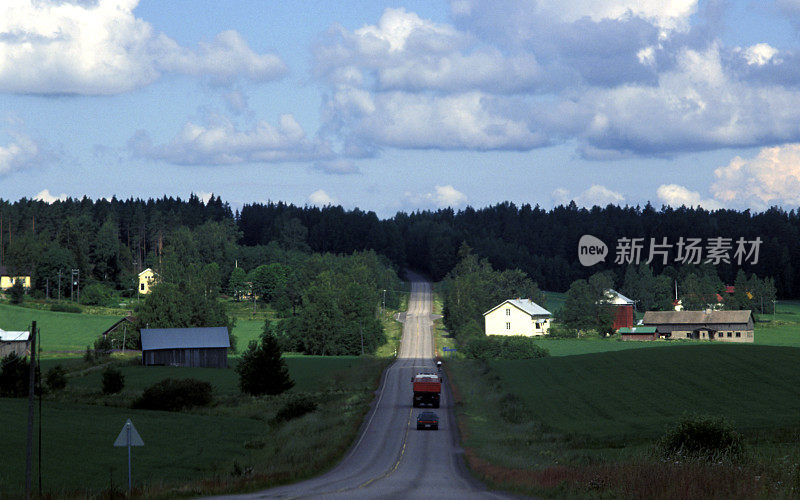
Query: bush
(102, 347)
(17, 292)
(96, 294)
(503, 347)
(175, 395)
(559, 331)
(14, 376)
(701, 438)
(113, 380)
(297, 406)
(56, 378)
(62, 307)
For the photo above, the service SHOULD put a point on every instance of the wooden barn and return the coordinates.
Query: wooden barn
(194, 347)
(17, 342)
(719, 326)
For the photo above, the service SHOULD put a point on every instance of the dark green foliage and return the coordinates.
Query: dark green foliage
(88, 355)
(56, 378)
(559, 331)
(175, 395)
(113, 380)
(65, 307)
(701, 438)
(513, 409)
(96, 294)
(297, 406)
(14, 376)
(586, 305)
(237, 283)
(651, 292)
(503, 347)
(262, 370)
(17, 292)
(102, 347)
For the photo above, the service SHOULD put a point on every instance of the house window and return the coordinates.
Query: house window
(508, 326)
(688, 335)
(538, 325)
(508, 312)
(738, 334)
(141, 286)
(729, 334)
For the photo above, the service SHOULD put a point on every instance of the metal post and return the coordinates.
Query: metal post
(31, 381)
(128, 428)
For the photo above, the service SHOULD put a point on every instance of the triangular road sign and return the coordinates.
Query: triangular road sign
(122, 439)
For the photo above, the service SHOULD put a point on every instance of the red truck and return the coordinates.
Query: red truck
(427, 388)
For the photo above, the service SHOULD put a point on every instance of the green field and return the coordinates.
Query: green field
(80, 425)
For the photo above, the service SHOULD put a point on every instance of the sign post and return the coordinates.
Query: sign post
(128, 436)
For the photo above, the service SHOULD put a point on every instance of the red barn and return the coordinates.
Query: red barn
(623, 309)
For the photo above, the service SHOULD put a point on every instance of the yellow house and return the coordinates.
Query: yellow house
(7, 281)
(147, 279)
(517, 317)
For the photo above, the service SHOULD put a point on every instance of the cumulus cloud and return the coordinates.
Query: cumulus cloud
(772, 177)
(220, 142)
(321, 198)
(441, 197)
(675, 195)
(595, 195)
(21, 153)
(759, 54)
(75, 47)
(45, 196)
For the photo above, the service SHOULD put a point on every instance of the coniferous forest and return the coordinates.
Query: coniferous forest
(110, 241)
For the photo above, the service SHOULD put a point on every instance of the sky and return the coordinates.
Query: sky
(406, 105)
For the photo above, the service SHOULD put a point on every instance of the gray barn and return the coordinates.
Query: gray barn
(195, 347)
(16, 342)
(721, 326)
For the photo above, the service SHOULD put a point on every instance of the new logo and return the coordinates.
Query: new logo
(591, 250)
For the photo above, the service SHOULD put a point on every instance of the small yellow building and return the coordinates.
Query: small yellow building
(147, 279)
(517, 317)
(7, 281)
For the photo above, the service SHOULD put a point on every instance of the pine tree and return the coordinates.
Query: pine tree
(262, 370)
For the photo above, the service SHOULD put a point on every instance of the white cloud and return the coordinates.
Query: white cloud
(73, 47)
(759, 54)
(772, 177)
(675, 195)
(595, 195)
(45, 196)
(220, 142)
(321, 198)
(441, 197)
(339, 166)
(22, 152)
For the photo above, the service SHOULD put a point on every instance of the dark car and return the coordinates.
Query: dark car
(427, 420)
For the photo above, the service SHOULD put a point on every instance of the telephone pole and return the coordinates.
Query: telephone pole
(31, 384)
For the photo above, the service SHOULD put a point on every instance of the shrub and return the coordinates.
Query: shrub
(503, 347)
(56, 378)
(701, 438)
(560, 331)
(295, 407)
(14, 376)
(175, 395)
(113, 380)
(17, 292)
(62, 307)
(102, 347)
(96, 294)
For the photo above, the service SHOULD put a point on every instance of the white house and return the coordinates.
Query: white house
(517, 317)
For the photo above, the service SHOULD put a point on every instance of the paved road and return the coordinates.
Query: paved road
(391, 459)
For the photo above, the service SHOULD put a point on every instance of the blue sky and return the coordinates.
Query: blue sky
(403, 105)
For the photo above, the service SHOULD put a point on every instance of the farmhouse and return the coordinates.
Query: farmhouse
(16, 342)
(517, 317)
(7, 280)
(195, 347)
(720, 326)
(623, 309)
(147, 279)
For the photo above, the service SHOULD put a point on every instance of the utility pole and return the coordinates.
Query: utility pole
(31, 384)
(59, 284)
(75, 283)
(383, 306)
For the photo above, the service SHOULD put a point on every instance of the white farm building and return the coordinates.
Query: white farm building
(517, 317)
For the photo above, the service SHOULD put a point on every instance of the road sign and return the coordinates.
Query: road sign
(133, 435)
(129, 437)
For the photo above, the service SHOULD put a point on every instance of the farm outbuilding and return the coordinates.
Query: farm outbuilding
(623, 309)
(638, 333)
(720, 326)
(194, 347)
(16, 342)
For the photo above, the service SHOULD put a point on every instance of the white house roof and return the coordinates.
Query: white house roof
(148, 269)
(14, 336)
(616, 298)
(526, 305)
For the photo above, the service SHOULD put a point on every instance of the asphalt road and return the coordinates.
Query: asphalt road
(391, 459)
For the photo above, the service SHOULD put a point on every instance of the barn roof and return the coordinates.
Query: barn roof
(637, 330)
(616, 298)
(526, 305)
(696, 317)
(184, 338)
(14, 336)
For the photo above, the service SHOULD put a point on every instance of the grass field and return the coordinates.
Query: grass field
(184, 451)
